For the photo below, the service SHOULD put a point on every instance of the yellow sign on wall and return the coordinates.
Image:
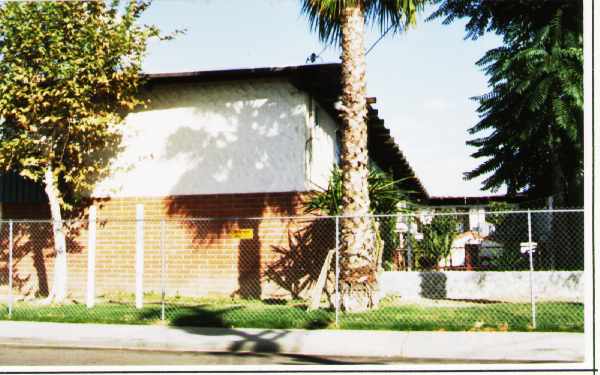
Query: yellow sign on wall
(243, 234)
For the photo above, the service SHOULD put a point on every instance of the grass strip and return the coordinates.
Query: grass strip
(551, 316)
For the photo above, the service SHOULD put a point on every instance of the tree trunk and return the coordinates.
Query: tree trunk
(558, 177)
(58, 292)
(557, 242)
(358, 266)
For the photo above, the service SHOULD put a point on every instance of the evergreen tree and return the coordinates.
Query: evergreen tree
(532, 117)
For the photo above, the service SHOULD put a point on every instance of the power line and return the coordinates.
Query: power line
(378, 40)
(313, 57)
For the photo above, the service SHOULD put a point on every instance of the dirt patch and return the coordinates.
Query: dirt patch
(428, 302)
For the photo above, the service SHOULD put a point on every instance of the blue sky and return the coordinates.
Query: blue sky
(422, 78)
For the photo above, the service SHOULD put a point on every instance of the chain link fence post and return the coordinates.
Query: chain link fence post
(139, 256)
(531, 281)
(409, 253)
(10, 269)
(91, 265)
(163, 265)
(337, 270)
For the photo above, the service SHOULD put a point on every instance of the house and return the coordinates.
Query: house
(471, 250)
(478, 244)
(230, 144)
(476, 208)
(231, 132)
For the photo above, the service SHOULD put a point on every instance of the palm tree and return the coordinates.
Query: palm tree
(344, 21)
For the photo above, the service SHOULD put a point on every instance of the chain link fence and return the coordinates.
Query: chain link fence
(497, 271)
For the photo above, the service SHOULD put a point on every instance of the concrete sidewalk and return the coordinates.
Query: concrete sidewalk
(485, 346)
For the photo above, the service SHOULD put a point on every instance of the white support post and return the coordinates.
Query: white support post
(531, 282)
(337, 270)
(90, 297)
(139, 256)
(409, 253)
(163, 270)
(10, 269)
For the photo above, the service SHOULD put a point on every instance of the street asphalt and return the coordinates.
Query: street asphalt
(19, 355)
(47, 356)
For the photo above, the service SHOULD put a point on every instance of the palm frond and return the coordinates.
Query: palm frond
(325, 16)
(384, 194)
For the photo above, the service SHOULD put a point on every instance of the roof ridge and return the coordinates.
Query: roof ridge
(263, 69)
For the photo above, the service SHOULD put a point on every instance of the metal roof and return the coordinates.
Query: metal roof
(474, 201)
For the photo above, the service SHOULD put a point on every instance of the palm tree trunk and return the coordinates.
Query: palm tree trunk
(58, 291)
(358, 266)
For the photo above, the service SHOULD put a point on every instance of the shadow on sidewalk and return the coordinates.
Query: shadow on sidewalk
(201, 321)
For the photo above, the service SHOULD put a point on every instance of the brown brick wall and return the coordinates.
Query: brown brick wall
(202, 257)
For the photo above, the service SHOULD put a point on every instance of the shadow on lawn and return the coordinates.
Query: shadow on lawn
(212, 322)
(200, 316)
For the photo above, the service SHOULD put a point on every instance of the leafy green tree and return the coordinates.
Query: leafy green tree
(69, 73)
(531, 122)
(343, 22)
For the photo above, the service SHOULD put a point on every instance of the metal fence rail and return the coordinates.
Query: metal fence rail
(510, 270)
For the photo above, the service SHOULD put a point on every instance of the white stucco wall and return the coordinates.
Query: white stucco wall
(322, 151)
(477, 221)
(235, 137)
(510, 286)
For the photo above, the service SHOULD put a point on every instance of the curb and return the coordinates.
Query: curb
(485, 346)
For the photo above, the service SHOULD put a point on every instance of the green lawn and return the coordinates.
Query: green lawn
(551, 316)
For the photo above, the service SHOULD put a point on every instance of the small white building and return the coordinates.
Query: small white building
(471, 250)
